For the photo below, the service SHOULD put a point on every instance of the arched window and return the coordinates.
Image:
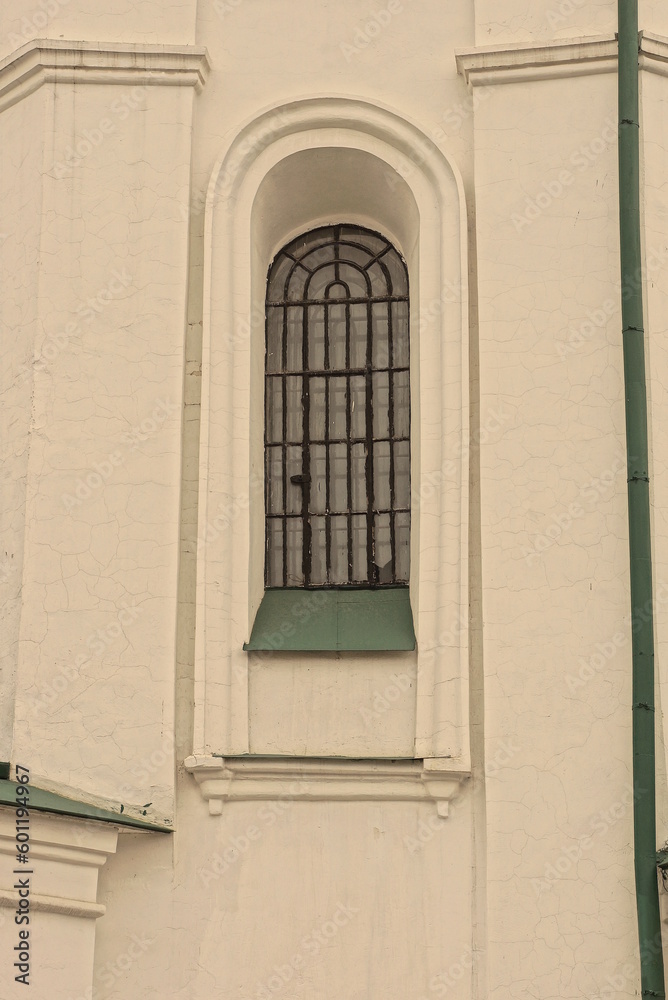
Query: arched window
(337, 412)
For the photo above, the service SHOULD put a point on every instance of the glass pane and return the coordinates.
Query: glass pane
(397, 269)
(375, 243)
(315, 247)
(274, 339)
(402, 546)
(277, 277)
(317, 408)
(381, 475)
(337, 408)
(274, 552)
(295, 335)
(357, 406)
(339, 571)
(358, 476)
(402, 474)
(400, 334)
(380, 284)
(359, 549)
(336, 337)
(298, 278)
(382, 548)
(338, 477)
(381, 403)
(295, 409)
(359, 285)
(274, 480)
(316, 287)
(355, 254)
(358, 333)
(380, 356)
(293, 527)
(275, 408)
(316, 337)
(318, 497)
(318, 551)
(401, 404)
(294, 467)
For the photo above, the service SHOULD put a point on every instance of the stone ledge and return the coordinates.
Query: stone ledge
(57, 61)
(487, 66)
(238, 779)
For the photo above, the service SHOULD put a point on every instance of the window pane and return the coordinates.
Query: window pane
(280, 270)
(381, 475)
(316, 337)
(382, 548)
(295, 409)
(294, 552)
(317, 408)
(402, 546)
(274, 409)
(275, 552)
(318, 551)
(339, 572)
(358, 334)
(380, 353)
(318, 496)
(401, 404)
(338, 477)
(359, 285)
(397, 270)
(358, 476)
(400, 334)
(336, 337)
(316, 288)
(402, 474)
(381, 404)
(359, 548)
(357, 406)
(275, 480)
(294, 467)
(274, 339)
(295, 338)
(337, 408)
(379, 280)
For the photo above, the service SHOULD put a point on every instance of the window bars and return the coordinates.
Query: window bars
(337, 412)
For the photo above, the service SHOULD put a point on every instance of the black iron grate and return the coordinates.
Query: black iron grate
(337, 412)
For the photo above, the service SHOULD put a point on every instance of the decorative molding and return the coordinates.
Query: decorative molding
(509, 63)
(66, 854)
(56, 904)
(432, 217)
(56, 61)
(298, 779)
(654, 53)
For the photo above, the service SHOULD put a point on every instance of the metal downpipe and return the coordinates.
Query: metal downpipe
(642, 608)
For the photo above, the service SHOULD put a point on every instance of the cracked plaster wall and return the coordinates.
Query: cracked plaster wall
(22, 135)
(557, 658)
(534, 21)
(102, 498)
(171, 22)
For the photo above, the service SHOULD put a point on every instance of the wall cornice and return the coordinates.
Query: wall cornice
(495, 65)
(654, 53)
(58, 61)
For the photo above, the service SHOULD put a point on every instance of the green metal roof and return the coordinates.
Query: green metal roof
(41, 801)
(346, 619)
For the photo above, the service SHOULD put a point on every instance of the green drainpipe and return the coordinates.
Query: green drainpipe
(642, 617)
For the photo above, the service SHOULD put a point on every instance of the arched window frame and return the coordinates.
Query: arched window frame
(434, 244)
(337, 412)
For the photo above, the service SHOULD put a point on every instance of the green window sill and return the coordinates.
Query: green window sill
(295, 619)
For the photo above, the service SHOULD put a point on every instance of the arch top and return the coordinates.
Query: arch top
(303, 118)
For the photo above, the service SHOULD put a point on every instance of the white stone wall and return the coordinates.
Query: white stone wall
(526, 888)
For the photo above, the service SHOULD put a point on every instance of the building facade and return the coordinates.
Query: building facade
(322, 696)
